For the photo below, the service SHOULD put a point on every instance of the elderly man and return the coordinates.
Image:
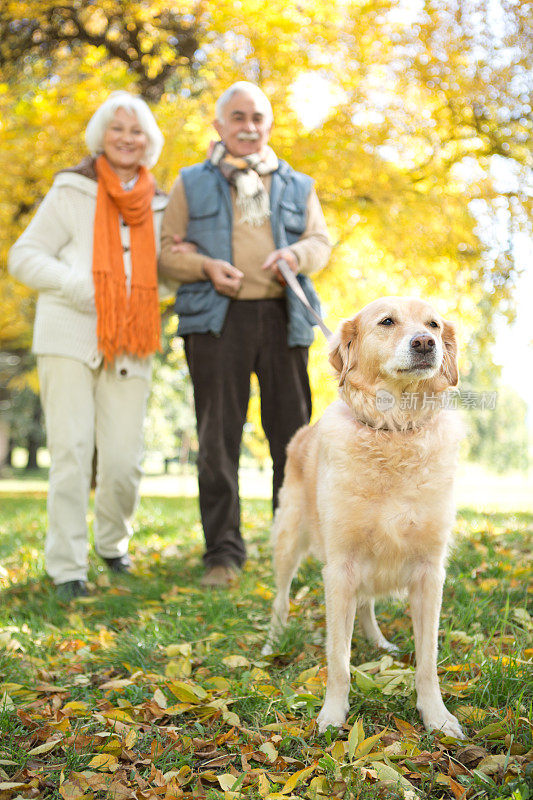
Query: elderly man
(243, 210)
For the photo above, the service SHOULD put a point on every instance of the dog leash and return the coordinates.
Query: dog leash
(292, 281)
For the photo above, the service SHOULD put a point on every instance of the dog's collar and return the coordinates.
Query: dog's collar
(410, 427)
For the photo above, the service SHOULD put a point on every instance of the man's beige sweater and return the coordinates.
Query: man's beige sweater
(251, 246)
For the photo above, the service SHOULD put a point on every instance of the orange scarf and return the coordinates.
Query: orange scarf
(125, 324)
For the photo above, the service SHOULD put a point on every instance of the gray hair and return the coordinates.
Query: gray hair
(99, 122)
(244, 87)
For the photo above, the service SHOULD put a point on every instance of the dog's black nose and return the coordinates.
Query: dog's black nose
(422, 343)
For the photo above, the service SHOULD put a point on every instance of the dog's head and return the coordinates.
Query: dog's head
(398, 343)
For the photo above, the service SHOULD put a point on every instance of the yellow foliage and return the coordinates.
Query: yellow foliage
(392, 145)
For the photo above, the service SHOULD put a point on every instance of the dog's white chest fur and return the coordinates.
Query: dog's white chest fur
(381, 496)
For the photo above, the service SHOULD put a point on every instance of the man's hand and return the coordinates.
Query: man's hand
(181, 246)
(226, 278)
(287, 255)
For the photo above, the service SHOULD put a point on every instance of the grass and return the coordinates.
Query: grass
(110, 676)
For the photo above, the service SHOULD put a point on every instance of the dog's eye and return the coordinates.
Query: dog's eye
(433, 324)
(387, 321)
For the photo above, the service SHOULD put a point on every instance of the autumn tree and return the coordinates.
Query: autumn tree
(414, 120)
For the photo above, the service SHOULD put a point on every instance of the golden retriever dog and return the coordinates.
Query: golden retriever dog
(368, 490)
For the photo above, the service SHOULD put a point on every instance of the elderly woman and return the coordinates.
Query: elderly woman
(91, 253)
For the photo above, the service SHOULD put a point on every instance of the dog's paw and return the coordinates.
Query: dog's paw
(331, 714)
(452, 728)
(267, 649)
(445, 722)
(389, 647)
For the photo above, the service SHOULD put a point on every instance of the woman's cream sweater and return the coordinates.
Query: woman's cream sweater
(54, 256)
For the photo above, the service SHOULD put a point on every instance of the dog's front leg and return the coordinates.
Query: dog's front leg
(340, 615)
(425, 595)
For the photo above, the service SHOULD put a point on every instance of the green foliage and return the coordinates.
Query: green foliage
(170, 428)
(498, 435)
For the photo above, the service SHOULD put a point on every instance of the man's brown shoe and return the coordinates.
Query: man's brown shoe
(219, 575)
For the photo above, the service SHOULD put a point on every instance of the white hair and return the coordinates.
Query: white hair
(244, 87)
(100, 120)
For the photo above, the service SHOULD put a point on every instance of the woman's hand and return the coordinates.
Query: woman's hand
(181, 246)
(79, 292)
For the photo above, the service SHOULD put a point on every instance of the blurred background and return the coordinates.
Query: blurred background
(413, 117)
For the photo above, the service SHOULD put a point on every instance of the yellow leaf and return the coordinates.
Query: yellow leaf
(44, 748)
(492, 764)
(318, 786)
(118, 715)
(184, 650)
(182, 776)
(267, 690)
(6, 786)
(355, 736)
(269, 750)
(74, 788)
(365, 747)
(208, 775)
(75, 708)
(406, 728)
(6, 703)
(470, 714)
(219, 683)
(179, 669)
(263, 591)
(62, 726)
(296, 778)
(227, 781)
(391, 776)
(263, 786)
(235, 661)
(160, 698)
(338, 751)
(306, 674)
(488, 584)
(363, 682)
(130, 739)
(179, 708)
(105, 762)
(106, 638)
(230, 717)
(120, 683)
(259, 674)
(187, 692)
(495, 730)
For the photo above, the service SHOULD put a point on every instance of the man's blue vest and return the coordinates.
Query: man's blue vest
(200, 307)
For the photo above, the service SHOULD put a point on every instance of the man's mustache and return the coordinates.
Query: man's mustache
(248, 137)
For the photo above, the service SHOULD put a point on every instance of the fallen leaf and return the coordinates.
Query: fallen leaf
(227, 781)
(44, 748)
(235, 661)
(105, 762)
(269, 750)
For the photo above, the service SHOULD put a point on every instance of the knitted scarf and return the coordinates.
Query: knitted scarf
(125, 324)
(243, 173)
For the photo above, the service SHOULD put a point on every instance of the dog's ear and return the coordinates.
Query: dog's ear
(342, 348)
(449, 368)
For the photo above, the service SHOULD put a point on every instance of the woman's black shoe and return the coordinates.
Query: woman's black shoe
(119, 564)
(71, 589)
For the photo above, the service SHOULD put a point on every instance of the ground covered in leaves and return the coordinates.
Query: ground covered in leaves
(153, 687)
